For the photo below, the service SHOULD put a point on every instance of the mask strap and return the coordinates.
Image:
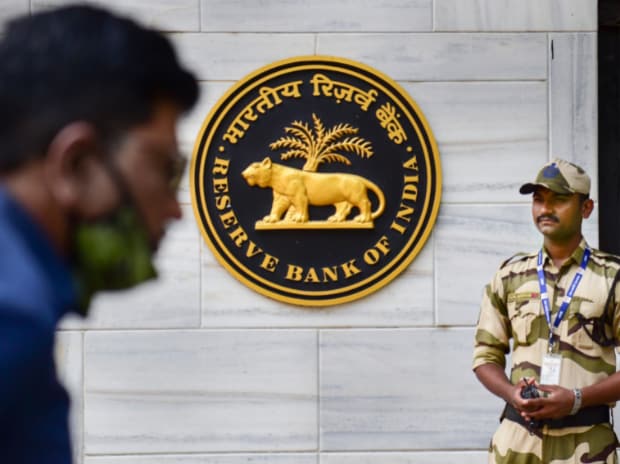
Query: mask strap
(127, 198)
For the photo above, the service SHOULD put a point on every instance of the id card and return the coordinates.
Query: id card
(550, 371)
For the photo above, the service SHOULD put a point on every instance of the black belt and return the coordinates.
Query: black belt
(587, 416)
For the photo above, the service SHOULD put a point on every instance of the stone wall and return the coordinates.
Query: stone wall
(196, 368)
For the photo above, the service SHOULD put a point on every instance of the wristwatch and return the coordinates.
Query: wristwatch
(576, 402)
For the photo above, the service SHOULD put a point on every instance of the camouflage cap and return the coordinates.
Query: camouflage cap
(560, 176)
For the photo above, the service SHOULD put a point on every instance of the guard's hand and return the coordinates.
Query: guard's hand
(556, 403)
(521, 404)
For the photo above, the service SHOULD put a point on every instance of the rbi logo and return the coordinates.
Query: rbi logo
(315, 180)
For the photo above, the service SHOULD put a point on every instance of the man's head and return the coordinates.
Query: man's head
(77, 86)
(89, 103)
(560, 200)
(81, 64)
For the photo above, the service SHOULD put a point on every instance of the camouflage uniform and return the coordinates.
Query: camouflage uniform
(511, 308)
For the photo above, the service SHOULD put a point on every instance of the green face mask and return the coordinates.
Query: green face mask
(112, 253)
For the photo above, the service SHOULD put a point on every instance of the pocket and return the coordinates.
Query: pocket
(575, 334)
(523, 311)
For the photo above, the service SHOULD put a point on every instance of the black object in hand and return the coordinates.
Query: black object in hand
(529, 392)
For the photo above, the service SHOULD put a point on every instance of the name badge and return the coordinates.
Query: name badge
(550, 371)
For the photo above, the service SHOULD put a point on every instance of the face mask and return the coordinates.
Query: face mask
(112, 253)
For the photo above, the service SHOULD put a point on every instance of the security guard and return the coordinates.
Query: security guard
(559, 305)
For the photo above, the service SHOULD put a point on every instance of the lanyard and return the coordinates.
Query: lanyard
(544, 296)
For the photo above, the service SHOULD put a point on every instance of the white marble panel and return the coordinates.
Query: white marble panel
(190, 126)
(573, 101)
(420, 457)
(515, 15)
(254, 458)
(316, 16)
(215, 56)
(179, 15)
(492, 136)
(170, 301)
(444, 57)
(200, 391)
(471, 243)
(10, 9)
(406, 301)
(402, 389)
(68, 357)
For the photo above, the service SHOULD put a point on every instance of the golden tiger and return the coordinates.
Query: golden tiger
(294, 190)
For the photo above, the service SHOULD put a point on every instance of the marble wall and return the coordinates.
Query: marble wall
(196, 368)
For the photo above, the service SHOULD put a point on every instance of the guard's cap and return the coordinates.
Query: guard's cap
(560, 176)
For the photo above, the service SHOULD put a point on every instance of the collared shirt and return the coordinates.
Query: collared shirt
(511, 309)
(36, 290)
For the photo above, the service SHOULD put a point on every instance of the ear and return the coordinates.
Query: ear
(586, 208)
(74, 172)
(266, 162)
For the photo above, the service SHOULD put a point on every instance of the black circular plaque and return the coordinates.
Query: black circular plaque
(315, 180)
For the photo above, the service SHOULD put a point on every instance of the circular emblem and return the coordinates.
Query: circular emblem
(315, 180)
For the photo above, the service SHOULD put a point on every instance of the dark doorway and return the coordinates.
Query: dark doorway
(609, 124)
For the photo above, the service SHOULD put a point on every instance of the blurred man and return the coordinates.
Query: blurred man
(560, 307)
(89, 166)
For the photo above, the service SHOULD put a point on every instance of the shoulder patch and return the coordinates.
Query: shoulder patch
(515, 258)
(606, 256)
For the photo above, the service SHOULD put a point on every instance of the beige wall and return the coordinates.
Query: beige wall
(198, 369)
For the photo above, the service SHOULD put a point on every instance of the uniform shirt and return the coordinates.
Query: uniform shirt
(512, 309)
(36, 290)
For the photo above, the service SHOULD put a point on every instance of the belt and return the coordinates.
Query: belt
(587, 416)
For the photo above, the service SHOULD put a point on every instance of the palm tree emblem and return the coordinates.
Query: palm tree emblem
(319, 146)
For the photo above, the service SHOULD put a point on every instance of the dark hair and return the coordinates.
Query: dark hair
(81, 63)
